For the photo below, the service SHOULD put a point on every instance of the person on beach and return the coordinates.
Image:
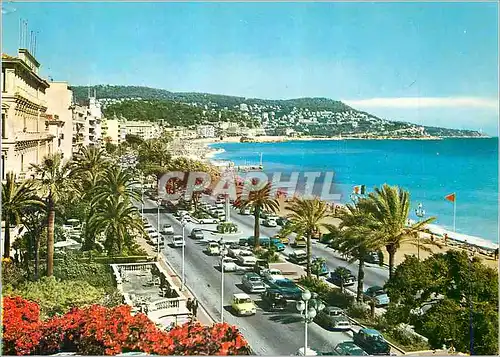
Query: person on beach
(496, 254)
(445, 238)
(432, 237)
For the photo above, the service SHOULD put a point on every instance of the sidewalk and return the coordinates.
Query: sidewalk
(203, 315)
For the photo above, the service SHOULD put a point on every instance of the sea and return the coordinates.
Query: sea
(428, 169)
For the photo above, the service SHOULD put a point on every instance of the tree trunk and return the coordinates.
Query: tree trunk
(361, 277)
(37, 257)
(308, 252)
(256, 227)
(50, 238)
(392, 252)
(6, 242)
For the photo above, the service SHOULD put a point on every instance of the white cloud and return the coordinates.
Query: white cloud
(425, 102)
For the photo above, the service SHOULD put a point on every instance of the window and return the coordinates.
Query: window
(4, 126)
(3, 80)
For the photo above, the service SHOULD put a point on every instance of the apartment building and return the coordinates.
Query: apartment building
(206, 131)
(113, 130)
(94, 120)
(60, 117)
(142, 129)
(80, 132)
(26, 138)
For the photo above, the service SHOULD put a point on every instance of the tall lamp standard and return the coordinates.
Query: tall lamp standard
(158, 230)
(183, 223)
(420, 213)
(310, 307)
(142, 196)
(222, 256)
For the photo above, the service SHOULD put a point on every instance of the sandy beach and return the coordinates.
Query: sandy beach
(409, 249)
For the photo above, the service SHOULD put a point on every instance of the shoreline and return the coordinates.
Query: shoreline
(210, 154)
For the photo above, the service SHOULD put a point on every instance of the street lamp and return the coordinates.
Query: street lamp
(221, 250)
(183, 223)
(158, 221)
(420, 212)
(142, 196)
(310, 306)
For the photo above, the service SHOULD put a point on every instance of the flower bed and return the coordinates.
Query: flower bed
(97, 330)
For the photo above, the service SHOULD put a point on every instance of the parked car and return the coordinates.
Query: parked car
(168, 229)
(299, 243)
(323, 269)
(333, 318)
(372, 257)
(277, 244)
(234, 250)
(269, 222)
(287, 288)
(246, 258)
(196, 233)
(181, 213)
(378, 294)
(298, 257)
(342, 275)
(253, 283)
(243, 305)
(260, 266)
(208, 221)
(348, 348)
(274, 300)
(229, 264)
(273, 275)
(283, 239)
(178, 241)
(263, 241)
(372, 342)
(212, 248)
(245, 211)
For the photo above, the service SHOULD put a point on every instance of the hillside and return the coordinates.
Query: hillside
(309, 116)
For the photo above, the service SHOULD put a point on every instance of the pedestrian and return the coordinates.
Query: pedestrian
(432, 237)
(496, 254)
(189, 305)
(195, 308)
(445, 238)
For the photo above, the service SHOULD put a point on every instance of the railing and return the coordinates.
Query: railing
(21, 92)
(33, 135)
(164, 304)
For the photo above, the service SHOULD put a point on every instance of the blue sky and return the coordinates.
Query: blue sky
(429, 63)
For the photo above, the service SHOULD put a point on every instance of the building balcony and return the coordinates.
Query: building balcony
(28, 136)
(23, 93)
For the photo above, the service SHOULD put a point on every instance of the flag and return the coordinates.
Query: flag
(451, 197)
(359, 189)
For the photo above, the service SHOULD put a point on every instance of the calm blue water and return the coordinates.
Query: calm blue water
(429, 170)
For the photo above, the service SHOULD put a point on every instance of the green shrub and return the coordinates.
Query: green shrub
(227, 227)
(359, 311)
(199, 214)
(331, 296)
(267, 254)
(57, 297)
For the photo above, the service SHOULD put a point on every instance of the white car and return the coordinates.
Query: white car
(246, 258)
(270, 222)
(178, 241)
(235, 251)
(168, 229)
(273, 275)
(229, 264)
(212, 248)
(208, 221)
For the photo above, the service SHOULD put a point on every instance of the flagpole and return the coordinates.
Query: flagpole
(454, 212)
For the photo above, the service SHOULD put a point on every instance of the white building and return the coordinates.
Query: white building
(95, 117)
(60, 117)
(206, 131)
(25, 137)
(143, 129)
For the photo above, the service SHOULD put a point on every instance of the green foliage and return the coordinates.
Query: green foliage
(57, 297)
(269, 255)
(96, 274)
(200, 214)
(227, 227)
(12, 276)
(331, 296)
(447, 283)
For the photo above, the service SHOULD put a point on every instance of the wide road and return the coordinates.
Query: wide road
(268, 333)
(374, 274)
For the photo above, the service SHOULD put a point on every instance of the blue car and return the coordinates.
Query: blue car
(276, 243)
(324, 270)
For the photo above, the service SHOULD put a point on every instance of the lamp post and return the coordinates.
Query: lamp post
(158, 230)
(419, 212)
(221, 249)
(183, 223)
(142, 196)
(310, 306)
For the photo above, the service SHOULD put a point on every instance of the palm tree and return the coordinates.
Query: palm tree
(116, 219)
(390, 207)
(258, 200)
(34, 220)
(359, 236)
(117, 183)
(15, 198)
(306, 219)
(88, 165)
(54, 182)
